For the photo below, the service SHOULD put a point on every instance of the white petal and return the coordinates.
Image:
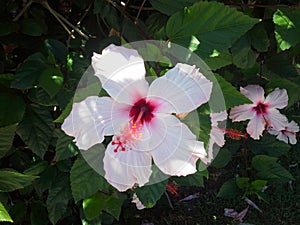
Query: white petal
(182, 89)
(123, 170)
(242, 112)
(85, 123)
(218, 117)
(173, 146)
(277, 99)
(292, 138)
(293, 127)
(218, 136)
(276, 119)
(138, 203)
(273, 131)
(254, 92)
(283, 137)
(256, 126)
(121, 72)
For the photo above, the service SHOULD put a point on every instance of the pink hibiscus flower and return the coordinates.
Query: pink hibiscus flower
(263, 111)
(288, 133)
(140, 117)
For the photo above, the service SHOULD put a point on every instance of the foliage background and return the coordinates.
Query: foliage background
(46, 47)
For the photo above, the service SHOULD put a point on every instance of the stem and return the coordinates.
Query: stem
(23, 11)
(139, 12)
(169, 200)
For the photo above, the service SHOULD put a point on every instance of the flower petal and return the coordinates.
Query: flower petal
(283, 137)
(182, 89)
(137, 201)
(276, 119)
(254, 92)
(292, 138)
(277, 99)
(218, 117)
(293, 127)
(256, 126)
(92, 118)
(121, 72)
(242, 112)
(125, 169)
(173, 146)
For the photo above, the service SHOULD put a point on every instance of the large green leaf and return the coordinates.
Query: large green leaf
(232, 96)
(65, 147)
(36, 129)
(170, 7)
(269, 169)
(229, 189)
(287, 24)
(29, 72)
(51, 80)
(99, 202)
(242, 54)
(59, 191)
(56, 211)
(150, 194)
(7, 135)
(269, 145)
(81, 183)
(31, 27)
(4, 216)
(215, 26)
(11, 180)
(12, 109)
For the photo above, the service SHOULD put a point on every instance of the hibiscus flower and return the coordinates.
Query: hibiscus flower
(216, 135)
(263, 111)
(288, 133)
(140, 117)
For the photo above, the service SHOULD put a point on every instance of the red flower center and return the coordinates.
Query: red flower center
(261, 108)
(142, 111)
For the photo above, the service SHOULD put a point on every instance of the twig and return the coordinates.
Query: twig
(139, 12)
(169, 200)
(62, 19)
(23, 11)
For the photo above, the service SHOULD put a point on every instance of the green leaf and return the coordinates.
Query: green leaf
(242, 182)
(59, 191)
(40, 96)
(218, 60)
(150, 194)
(38, 213)
(18, 211)
(281, 65)
(94, 205)
(232, 96)
(259, 38)
(257, 185)
(5, 79)
(31, 27)
(222, 159)
(99, 202)
(67, 110)
(37, 168)
(4, 216)
(51, 80)
(12, 109)
(195, 179)
(11, 180)
(242, 54)
(58, 49)
(287, 23)
(36, 129)
(65, 147)
(215, 26)
(29, 72)
(7, 135)
(46, 179)
(269, 145)
(81, 183)
(269, 169)
(170, 7)
(56, 211)
(229, 189)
